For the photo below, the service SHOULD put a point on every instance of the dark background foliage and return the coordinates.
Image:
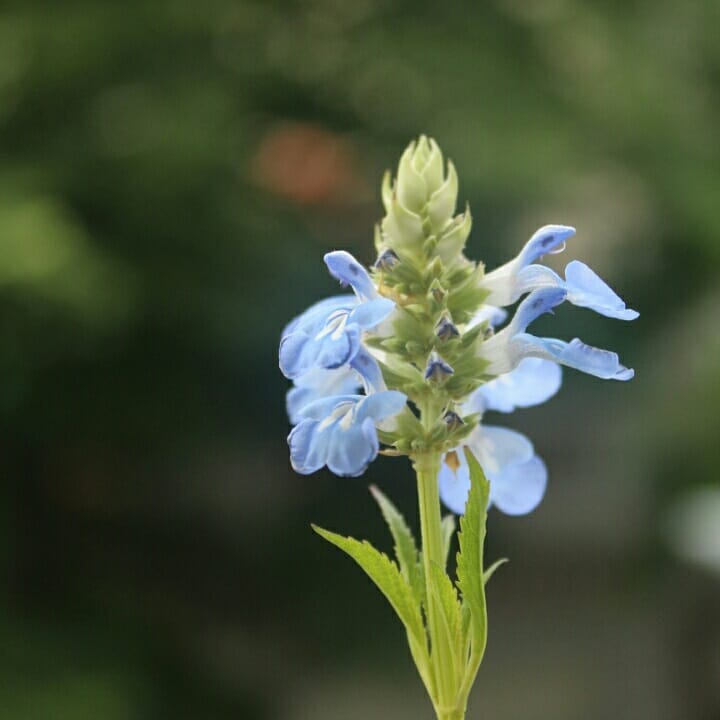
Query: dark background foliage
(171, 175)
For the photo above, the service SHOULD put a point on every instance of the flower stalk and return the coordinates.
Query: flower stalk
(427, 468)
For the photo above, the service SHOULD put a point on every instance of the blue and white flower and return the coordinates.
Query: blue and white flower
(526, 369)
(340, 432)
(517, 476)
(583, 286)
(509, 346)
(339, 398)
(328, 335)
(339, 429)
(319, 383)
(322, 351)
(502, 282)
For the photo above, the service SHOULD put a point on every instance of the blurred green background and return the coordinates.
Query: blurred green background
(171, 174)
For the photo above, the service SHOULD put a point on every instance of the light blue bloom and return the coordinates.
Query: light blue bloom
(584, 287)
(517, 476)
(368, 369)
(575, 354)
(328, 334)
(532, 382)
(501, 282)
(335, 425)
(345, 268)
(319, 383)
(340, 432)
(507, 348)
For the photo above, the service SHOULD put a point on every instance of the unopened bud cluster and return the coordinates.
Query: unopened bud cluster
(437, 291)
(422, 348)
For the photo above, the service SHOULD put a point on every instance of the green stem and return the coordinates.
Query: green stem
(427, 467)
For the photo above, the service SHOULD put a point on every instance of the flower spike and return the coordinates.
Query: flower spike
(414, 359)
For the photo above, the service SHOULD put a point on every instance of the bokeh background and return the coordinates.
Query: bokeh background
(171, 174)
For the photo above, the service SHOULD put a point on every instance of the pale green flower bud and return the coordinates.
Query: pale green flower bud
(420, 204)
(452, 241)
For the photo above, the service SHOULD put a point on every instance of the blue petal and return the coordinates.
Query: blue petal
(454, 485)
(322, 408)
(497, 447)
(351, 451)
(548, 239)
(345, 268)
(532, 382)
(504, 284)
(379, 406)
(575, 354)
(520, 487)
(371, 313)
(314, 318)
(300, 352)
(319, 383)
(534, 305)
(517, 476)
(307, 447)
(586, 289)
(369, 369)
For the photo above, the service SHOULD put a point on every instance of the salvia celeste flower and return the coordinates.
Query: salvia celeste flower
(427, 324)
(327, 335)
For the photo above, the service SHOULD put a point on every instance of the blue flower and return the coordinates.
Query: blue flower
(583, 286)
(517, 476)
(501, 282)
(335, 425)
(328, 334)
(319, 383)
(507, 348)
(532, 382)
(345, 268)
(340, 432)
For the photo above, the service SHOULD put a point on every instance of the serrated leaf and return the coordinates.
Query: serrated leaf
(389, 580)
(491, 570)
(448, 530)
(406, 550)
(470, 562)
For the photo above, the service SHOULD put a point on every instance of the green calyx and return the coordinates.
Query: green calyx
(437, 291)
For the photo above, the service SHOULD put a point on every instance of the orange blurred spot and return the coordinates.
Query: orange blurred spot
(306, 164)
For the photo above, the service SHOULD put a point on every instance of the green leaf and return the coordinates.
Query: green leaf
(491, 570)
(389, 580)
(448, 530)
(446, 598)
(470, 563)
(405, 548)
